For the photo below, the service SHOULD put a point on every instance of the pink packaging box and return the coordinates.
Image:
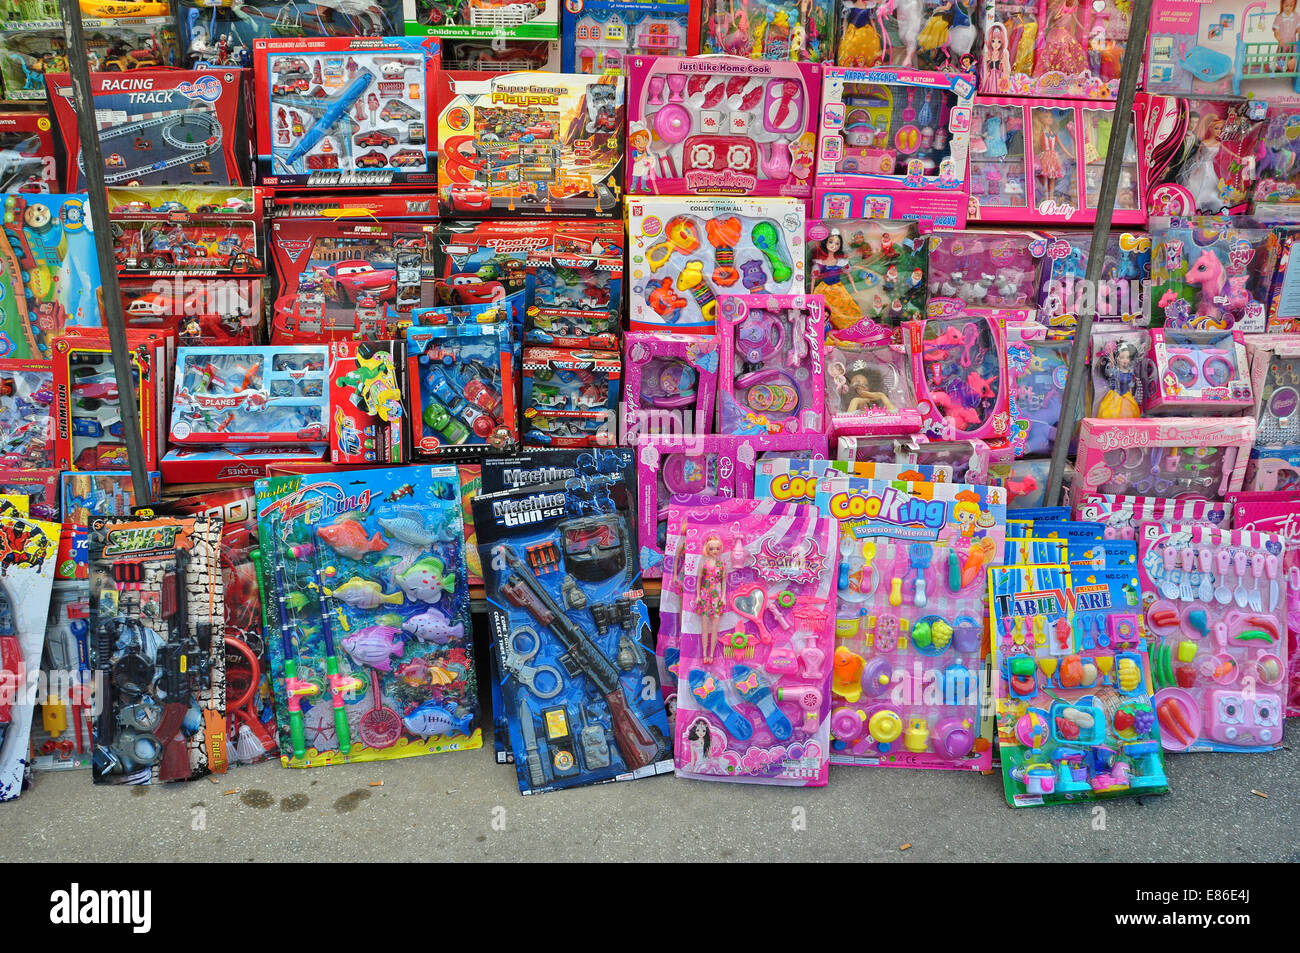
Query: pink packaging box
(669, 384)
(1198, 372)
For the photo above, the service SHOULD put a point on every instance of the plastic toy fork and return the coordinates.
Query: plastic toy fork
(919, 555)
(1240, 566)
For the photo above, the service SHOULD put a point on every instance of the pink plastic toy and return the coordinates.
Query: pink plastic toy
(1053, 48)
(959, 372)
(973, 271)
(1198, 371)
(669, 384)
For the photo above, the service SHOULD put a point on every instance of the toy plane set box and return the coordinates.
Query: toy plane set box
(533, 144)
(345, 111)
(158, 127)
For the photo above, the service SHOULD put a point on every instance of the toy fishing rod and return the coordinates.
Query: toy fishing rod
(294, 687)
(338, 683)
(332, 114)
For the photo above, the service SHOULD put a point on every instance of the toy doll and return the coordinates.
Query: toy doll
(1063, 40)
(1286, 25)
(1047, 151)
(907, 13)
(866, 383)
(936, 29)
(639, 143)
(997, 61)
(961, 37)
(711, 594)
(829, 272)
(1200, 176)
(860, 43)
(1116, 365)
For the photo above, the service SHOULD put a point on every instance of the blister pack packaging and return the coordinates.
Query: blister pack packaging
(111, 493)
(1198, 372)
(571, 638)
(577, 298)
(959, 372)
(157, 631)
(61, 737)
(869, 383)
(910, 651)
(1076, 717)
(26, 421)
(462, 388)
(1206, 271)
(669, 383)
(1125, 270)
(364, 572)
(756, 637)
(868, 268)
(1121, 516)
(1216, 604)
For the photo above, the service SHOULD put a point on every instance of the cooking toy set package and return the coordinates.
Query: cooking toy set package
(1208, 272)
(49, 274)
(1073, 685)
(364, 573)
(1121, 516)
(867, 268)
(1053, 47)
(896, 131)
(959, 373)
(869, 384)
(570, 636)
(462, 388)
(29, 560)
(721, 125)
(1217, 601)
(532, 144)
(158, 127)
(570, 397)
(927, 34)
(669, 382)
(685, 253)
(764, 30)
(929, 210)
(969, 459)
(345, 111)
(770, 375)
(756, 637)
(796, 480)
(157, 629)
(1198, 372)
(369, 420)
(909, 635)
(600, 36)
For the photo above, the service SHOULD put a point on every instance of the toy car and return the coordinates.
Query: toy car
(376, 137)
(371, 160)
(356, 276)
(405, 158)
(470, 198)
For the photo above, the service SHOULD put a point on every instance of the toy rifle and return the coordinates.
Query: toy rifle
(294, 687)
(523, 590)
(338, 683)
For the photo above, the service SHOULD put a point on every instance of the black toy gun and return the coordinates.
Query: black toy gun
(524, 591)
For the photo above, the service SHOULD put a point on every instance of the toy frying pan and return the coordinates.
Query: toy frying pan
(380, 727)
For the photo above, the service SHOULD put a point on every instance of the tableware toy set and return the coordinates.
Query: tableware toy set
(462, 388)
(1198, 372)
(1075, 713)
(571, 638)
(925, 34)
(669, 384)
(364, 573)
(721, 125)
(344, 111)
(685, 253)
(1217, 603)
(1206, 273)
(1053, 48)
(908, 629)
(867, 268)
(959, 373)
(756, 640)
(764, 30)
(771, 378)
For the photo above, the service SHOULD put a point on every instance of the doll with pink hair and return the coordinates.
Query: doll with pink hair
(996, 70)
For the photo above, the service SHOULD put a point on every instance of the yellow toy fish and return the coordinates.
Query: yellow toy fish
(364, 594)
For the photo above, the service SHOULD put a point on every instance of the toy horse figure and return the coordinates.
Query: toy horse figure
(1219, 293)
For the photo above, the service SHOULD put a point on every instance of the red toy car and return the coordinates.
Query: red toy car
(470, 198)
(376, 137)
(371, 160)
(357, 277)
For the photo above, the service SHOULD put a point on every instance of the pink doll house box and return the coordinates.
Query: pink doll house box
(1070, 48)
(899, 132)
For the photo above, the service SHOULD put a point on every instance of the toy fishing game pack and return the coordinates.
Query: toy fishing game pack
(363, 573)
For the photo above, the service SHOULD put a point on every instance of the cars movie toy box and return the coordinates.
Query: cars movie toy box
(158, 127)
(344, 111)
(531, 144)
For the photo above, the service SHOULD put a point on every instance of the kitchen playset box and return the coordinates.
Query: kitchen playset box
(530, 144)
(158, 127)
(899, 132)
(721, 125)
(684, 253)
(338, 112)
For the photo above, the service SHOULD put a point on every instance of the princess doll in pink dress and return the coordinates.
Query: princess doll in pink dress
(711, 594)
(1062, 49)
(1047, 151)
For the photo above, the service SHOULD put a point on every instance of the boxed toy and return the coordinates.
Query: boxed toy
(986, 272)
(344, 111)
(1068, 48)
(157, 647)
(86, 401)
(217, 36)
(1202, 157)
(61, 737)
(201, 231)
(929, 210)
(897, 131)
(222, 311)
(713, 125)
(236, 463)
(369, 419)
(363, 673)
(1198, 372)
(1211, 272)
(158, 127)
(1037, 371)
(26, 414)
(1041, 160)
(959, 372)
(669, 383)
(869, 384)
(1275, 380)
(40, 487)
(536, 144)
(110, 493)
(577, 298)
(599, 36)
(1184, 457)
(49, 274)
(494, 19)
(868, 268)
(770, 377)
(764, 30)
(1278, 178)
(1119, 296)
(28, 150)
(926, 34)
(250, 395)
(462, 389)
(684, 253)
(570, 397)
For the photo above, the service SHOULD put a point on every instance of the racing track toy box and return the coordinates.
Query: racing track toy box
(599, 36)
(28, 149)
(88, 432)
(368, 414)
(364, 572)
(684, 253)
(497, 20)
(900, 134)
(49, 272)
(571, 639)
(351, 266)
(721, 125)
(345, 111)
(531, 144)
(158, 127)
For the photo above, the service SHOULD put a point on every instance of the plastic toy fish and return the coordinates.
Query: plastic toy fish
(432, 626)
(407, 529)
(426, 580)
(420, 671)
(374, 646)
(434, 719)
(348, 538)
(364, 594)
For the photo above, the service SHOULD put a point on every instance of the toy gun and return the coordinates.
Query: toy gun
(338, 683)
(105, 721)
(294, 687)
(524, 591)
